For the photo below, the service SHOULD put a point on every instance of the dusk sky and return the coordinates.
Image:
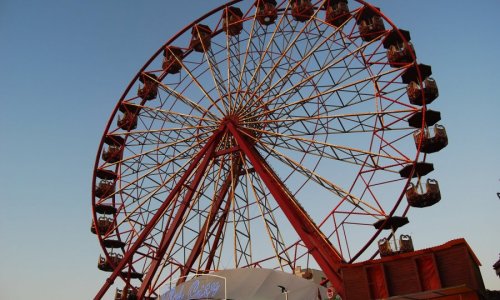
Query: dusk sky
(65, 64)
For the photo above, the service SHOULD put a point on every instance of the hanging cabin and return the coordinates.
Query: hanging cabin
(266, 12)
(172, 59)
(103, 225)
(429, 143)
(391, 223)
(149, 89)
(201, 38)
(232, 21)
(126, 294)
(420, 93)
(370, 23)
(429, 89)
(104, 189)
(106, 186)
(128, 121)
(107, 265)
(384, 247)
(405, 245)
(431, 196)
(113, 153)
(337, 12)
(400, 50)
(302, 10)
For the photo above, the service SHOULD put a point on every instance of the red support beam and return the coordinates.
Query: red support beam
(319, 246)
(232, 179)
(218, 234)
(172, 228)
(159, 213)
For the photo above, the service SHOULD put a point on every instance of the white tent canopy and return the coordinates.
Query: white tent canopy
(245, 284)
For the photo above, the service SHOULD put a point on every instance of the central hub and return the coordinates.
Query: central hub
(244, 110)
(232, 118)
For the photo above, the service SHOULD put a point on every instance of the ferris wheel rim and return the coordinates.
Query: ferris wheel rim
(144, 69)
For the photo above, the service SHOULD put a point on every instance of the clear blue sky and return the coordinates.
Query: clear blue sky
(64, 64)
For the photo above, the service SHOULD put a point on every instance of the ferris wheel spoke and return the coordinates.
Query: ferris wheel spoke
(153, 195)
(284, 66)
(201, 88)
(217, 77)
(330, 91)
(290, 44)
(270, 221)
(233, 62)
(170, 230)
(172, 145)
(234, 65)
(175, 117)
(171, 267)
(147, 198)
(220, 194)
(188, 130)
(344, 124)
(152, 223)
(203, 208)
(323, 182)
(263, 53)
(243, 67)
(338, 152)
(218, 233)
(353, 117)
(292, 70)
(253, 63)
(191, 245)
(242, 252)
(151, 117)
(288, 108)
(190, 103)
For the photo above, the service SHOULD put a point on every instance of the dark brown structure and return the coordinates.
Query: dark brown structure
(429, 143)
(431, 196)
(370, 23)
(400, 50)
(201, 38)
(149, 90)
(266, 11)
(108, 265)
(496, 266)
(418, 94)
(104, 224)
(172, 59)
(337, 12)
(302, 10)
(447, 272)
(232, 20)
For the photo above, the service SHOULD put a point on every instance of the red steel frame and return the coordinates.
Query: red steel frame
(128, 255)
(328, 258)
(320, 248)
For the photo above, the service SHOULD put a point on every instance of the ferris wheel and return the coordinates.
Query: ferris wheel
(265, 134)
